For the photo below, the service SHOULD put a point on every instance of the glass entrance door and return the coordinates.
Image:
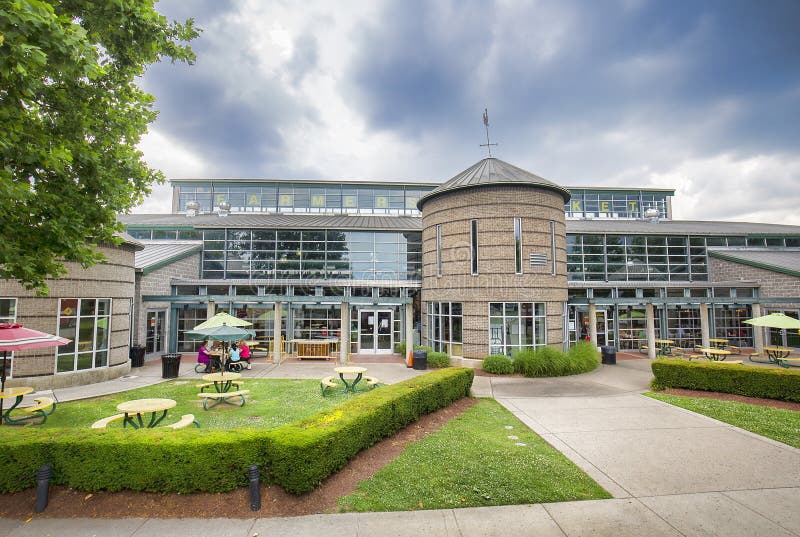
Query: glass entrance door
(375, 332)
(155, 337)
(582, 326)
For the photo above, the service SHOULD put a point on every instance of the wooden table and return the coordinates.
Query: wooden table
(17, 393)
(222, 381)
(350, 370)
(715, 355)
(137, 407)
(719, 343)
(664, 346)
(776, 353)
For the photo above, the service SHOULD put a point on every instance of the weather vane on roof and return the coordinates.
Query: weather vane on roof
(487, 145)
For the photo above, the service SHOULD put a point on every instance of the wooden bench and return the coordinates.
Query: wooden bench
(327, 384)
(753, 355)
(101, 424)
(205, 385)
(643, 349)
(372, 382)
(44, 407)
(185, 421)
(222, 397)
(733, 349)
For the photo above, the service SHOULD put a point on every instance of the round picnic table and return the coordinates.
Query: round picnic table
(18, 393)
(350, 370)
(664, 346)
(718, 342)
(137, 407)
(715, 355)
(222, 381)
(776, 353)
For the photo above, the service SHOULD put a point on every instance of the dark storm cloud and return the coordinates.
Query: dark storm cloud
(667, 64)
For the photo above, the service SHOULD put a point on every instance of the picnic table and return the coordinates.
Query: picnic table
(718, 343)
(17, 393)
(350, 370)
(715, 355)
(664, 346)
(137, 407)
(222, 381)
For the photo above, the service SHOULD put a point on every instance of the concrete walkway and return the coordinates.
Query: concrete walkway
(671, 472)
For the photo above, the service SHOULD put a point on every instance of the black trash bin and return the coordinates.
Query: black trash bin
(169, 365)
(420, 360)
(136, 354)
(609, 353)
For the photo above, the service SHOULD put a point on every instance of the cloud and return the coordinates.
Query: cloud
(617, 92)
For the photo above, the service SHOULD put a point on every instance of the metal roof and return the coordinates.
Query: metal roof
(320, 182)
(157, 254)
(677, 227)
(492, 171)
(783, 261)
(285, 221)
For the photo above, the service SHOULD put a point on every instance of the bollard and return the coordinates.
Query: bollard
(255, 491)
(42, 487)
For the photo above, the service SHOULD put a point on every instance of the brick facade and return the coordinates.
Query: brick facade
(158, 282)
(112, 279)
(495, 208)
(771, 283)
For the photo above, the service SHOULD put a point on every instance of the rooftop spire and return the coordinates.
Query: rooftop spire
(487, 145)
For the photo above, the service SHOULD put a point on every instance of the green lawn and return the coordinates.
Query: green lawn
(775, 423)
(472, 462)
(271, 402)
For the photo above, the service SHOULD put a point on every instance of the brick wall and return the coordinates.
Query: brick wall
(772, 284)
(113, 279)
(495, 209)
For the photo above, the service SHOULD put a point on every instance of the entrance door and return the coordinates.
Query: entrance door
(602, 328)
(784, 338)
(602, 322)
(375, 332)
(155, 338)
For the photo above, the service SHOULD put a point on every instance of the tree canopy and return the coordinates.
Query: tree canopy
(71, 116)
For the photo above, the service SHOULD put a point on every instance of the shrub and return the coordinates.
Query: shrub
(400, 348)
(551, 362)
(770, 383)
(499, 364)
(438, 359)
(296, 456)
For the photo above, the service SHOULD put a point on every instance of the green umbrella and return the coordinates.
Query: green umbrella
(220, 333)
(775, 320)
(222, 319)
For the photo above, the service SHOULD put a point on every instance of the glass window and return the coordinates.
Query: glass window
(87, 323)
(438, 249)
(8, 314)
(445, 327)
(516, 325)
(518, 245)
(473, 240)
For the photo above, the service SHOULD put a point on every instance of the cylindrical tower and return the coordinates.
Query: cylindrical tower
(494, 262)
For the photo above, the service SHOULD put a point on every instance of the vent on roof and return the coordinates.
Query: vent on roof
(538, 260)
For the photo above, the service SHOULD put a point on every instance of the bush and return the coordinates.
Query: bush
(499, 364)
(296, 456)
(770, 383)
(551, 362)
(400, 348)
(438, 359)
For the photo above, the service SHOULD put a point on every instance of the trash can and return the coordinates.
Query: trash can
(136, 354)
(420, 360)
(609, 354)
(169, 365)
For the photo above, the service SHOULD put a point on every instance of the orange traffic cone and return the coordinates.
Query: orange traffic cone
(410, 359)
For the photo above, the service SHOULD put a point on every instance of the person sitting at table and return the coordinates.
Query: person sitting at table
(234, 357)
(204, 357)
(244, 353)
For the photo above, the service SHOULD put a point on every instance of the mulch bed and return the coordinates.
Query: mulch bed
(275, 502)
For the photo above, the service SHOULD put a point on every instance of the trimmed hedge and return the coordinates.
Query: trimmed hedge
(498, 364)
(753, 381)
(438, 359)
(296, 456)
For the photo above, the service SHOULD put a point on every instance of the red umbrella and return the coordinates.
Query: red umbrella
(15, 337)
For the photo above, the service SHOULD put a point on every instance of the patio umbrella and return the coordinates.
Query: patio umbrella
(15, 337)
(775, 320)
(222, 319)
(222, 333)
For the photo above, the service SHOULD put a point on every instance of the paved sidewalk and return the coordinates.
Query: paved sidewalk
(671, 472)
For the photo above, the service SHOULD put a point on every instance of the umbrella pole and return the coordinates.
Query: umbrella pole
(2, 384)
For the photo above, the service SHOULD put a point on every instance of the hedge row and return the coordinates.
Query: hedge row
(296, 456)
(753, 381)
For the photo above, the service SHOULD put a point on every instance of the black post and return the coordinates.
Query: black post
(2, 385)
(42, 487)
(255, 491)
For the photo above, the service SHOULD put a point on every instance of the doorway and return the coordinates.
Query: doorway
(603, 322)
(375, 332)
(783, 338)
(155, 337)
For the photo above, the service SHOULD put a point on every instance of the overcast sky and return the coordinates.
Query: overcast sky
(700, 96)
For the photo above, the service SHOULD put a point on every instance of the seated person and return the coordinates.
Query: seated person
(204, 357)
(244, 353)
(234, 356)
